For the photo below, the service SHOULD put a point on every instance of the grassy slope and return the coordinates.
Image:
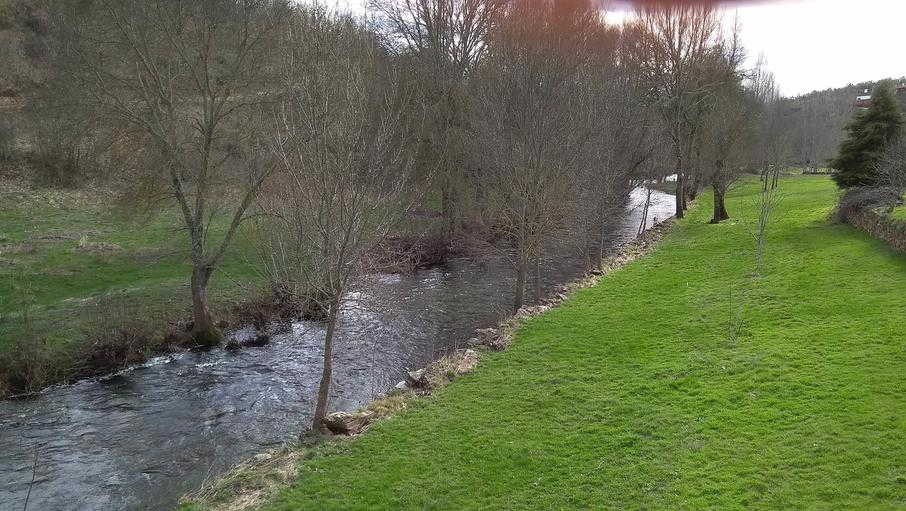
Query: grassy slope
(899, 213)
(634, 395)
(59, 284)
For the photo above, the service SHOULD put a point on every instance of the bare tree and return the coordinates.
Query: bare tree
(184, 82)
(345, 155)
(679, 40)
(529, 125)
(622, 130)
(767, 202)
(444, 40)
(774, 131)
(726, 133)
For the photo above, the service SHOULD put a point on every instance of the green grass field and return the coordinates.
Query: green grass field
(899, 213)
(636, 394)
(135, 265)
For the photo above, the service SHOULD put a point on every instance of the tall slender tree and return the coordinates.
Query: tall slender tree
(343, 144)
(532, 126)
(680, 37)
(444, 40)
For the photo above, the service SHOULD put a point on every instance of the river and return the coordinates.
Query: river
(142, 437)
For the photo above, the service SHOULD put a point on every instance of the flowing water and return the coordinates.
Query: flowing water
(142, 437)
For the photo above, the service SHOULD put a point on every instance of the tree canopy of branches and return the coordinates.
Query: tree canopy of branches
(531, 123)
(345, 152)
(622, 129)
(678, 45)
(184, 82)
(443, 41)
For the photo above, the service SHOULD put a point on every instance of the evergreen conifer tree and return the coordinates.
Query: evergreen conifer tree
(869, 134)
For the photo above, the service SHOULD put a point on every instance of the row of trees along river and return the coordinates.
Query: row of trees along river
(519, 122)
(505, 129)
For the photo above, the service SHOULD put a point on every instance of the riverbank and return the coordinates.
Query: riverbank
(89, 285)
(142, 437)
(680, 381)
(257, 480)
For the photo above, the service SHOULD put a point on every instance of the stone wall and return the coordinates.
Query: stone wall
(877, 225)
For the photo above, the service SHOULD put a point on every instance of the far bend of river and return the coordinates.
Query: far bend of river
(145, 436)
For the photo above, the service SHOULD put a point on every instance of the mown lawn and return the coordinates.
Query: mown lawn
(899, 213)
(637, 394)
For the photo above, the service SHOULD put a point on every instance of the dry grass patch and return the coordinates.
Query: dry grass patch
(249, 485)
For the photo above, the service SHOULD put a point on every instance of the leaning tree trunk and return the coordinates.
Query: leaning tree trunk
(317, 423)
(680, 194)
(596, 248)
(203, 330)
(644, 223)
(599, 247)
(720, 205)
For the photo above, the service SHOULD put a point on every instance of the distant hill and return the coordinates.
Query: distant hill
(818, 119)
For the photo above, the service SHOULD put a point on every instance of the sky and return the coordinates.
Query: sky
(819, 44)
(809, 44)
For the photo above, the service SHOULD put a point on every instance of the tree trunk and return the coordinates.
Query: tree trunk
(327, 370)
(203, 330)
(693, 187)
(520, 284)
(600, 232)
(688, 196)
(644, 223)
(720, 205)
(680, 194)
(536, 284)
(599, 255)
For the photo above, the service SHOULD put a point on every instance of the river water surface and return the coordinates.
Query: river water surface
(143, 437)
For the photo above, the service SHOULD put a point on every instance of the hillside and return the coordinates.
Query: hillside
(816, 121)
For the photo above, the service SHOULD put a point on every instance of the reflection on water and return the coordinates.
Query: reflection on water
(143, 437)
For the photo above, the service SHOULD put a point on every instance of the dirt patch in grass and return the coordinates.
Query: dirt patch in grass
(97, 247)
(16, 248)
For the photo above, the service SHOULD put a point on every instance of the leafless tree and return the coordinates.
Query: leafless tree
(727, 131)
(767, 201)
(346, 155)
(444, 40)
(680, 37)
(622, 131)
(773, 146)
(184, 82)
(530, 126)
